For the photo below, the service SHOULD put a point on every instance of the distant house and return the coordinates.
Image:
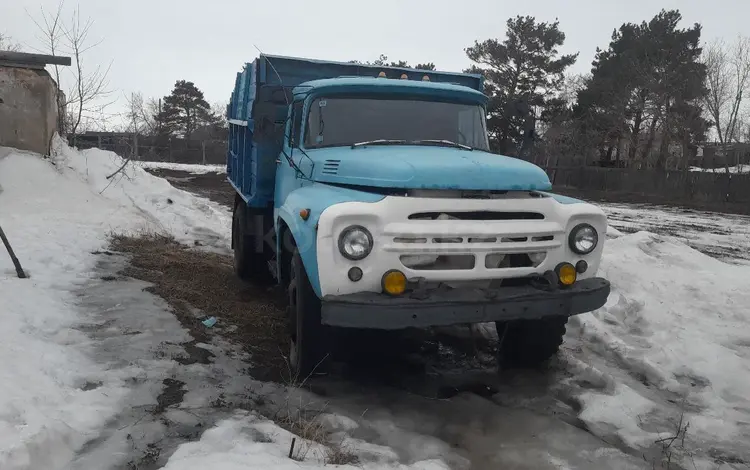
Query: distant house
(28, 100)
(101, 140)
(716, 155)
(210, 132)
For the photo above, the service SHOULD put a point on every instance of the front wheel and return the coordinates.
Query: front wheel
(529, 343)
(309, 348)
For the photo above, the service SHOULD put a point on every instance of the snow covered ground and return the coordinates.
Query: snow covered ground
(732, 169)
(82, 357)
(56, 216)
(676, 326)
(186, 167)
(723, 236)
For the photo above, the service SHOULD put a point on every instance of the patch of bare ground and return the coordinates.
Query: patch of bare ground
(191, 281)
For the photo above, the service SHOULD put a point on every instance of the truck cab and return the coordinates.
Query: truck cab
(371, 196)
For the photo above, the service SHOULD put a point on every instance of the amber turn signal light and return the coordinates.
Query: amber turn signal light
(566, 274)
(394, 282)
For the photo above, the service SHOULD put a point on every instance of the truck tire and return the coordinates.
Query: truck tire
(309, 345)
(249, 264)
(529, 343)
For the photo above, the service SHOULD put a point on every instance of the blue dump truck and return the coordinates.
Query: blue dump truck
(370, 195)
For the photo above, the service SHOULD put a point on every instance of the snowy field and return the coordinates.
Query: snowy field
(732, 169)
(186, 167)
(723, 236)
(667, 356)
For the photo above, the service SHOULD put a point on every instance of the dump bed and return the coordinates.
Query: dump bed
(258, 108)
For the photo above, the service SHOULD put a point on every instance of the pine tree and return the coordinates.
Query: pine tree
(645, 91)
(185, 110)
(523, 77)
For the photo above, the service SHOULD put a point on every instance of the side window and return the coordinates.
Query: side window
(294, 138)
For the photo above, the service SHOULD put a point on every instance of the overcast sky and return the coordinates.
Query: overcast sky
(153, 43)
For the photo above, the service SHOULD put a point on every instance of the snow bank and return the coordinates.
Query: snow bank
(53, 396)
(247, 442)
(186, 167)
(677, 323)
(164, 207)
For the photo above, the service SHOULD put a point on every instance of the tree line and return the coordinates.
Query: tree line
(653, 95)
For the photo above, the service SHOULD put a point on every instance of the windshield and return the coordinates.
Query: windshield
(341, 121)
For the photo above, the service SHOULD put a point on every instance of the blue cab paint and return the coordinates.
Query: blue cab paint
(316, 197)
(426, 167)
(272, 173)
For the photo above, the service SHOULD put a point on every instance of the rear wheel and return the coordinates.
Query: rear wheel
(250, 254)
(309, 349)
(529, 343)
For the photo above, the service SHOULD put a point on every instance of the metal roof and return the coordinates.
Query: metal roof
(31, 61)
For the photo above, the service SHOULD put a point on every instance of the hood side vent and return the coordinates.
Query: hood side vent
(331, 167)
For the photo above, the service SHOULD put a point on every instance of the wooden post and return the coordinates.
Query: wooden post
(203, 150)
(16, 263)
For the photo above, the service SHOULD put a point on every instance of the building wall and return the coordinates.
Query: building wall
(28, 110)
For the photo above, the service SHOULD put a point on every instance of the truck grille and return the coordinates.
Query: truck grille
(477, 215)
(491, 246)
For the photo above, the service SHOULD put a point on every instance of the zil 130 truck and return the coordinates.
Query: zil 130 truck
(370, 195)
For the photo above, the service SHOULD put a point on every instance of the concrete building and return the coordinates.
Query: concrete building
(28, 100)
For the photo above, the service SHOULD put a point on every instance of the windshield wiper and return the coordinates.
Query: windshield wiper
(378, 142)
(444, 143)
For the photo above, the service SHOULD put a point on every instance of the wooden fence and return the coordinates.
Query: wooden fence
(158, 149)
(680, 187)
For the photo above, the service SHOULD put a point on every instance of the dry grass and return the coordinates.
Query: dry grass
(190, 279)
(340, 454)
(306, 424)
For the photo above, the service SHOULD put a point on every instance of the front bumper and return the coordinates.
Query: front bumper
(464, 305)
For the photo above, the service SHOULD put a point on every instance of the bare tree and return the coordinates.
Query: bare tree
(51, 29)
(571, 85)
(86, 98)
(219, 109)
(728, 80)
(91, 86)
(7, 44)
(140, 115)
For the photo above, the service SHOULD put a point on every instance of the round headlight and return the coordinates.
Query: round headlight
(355, 242)
(583, 239)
